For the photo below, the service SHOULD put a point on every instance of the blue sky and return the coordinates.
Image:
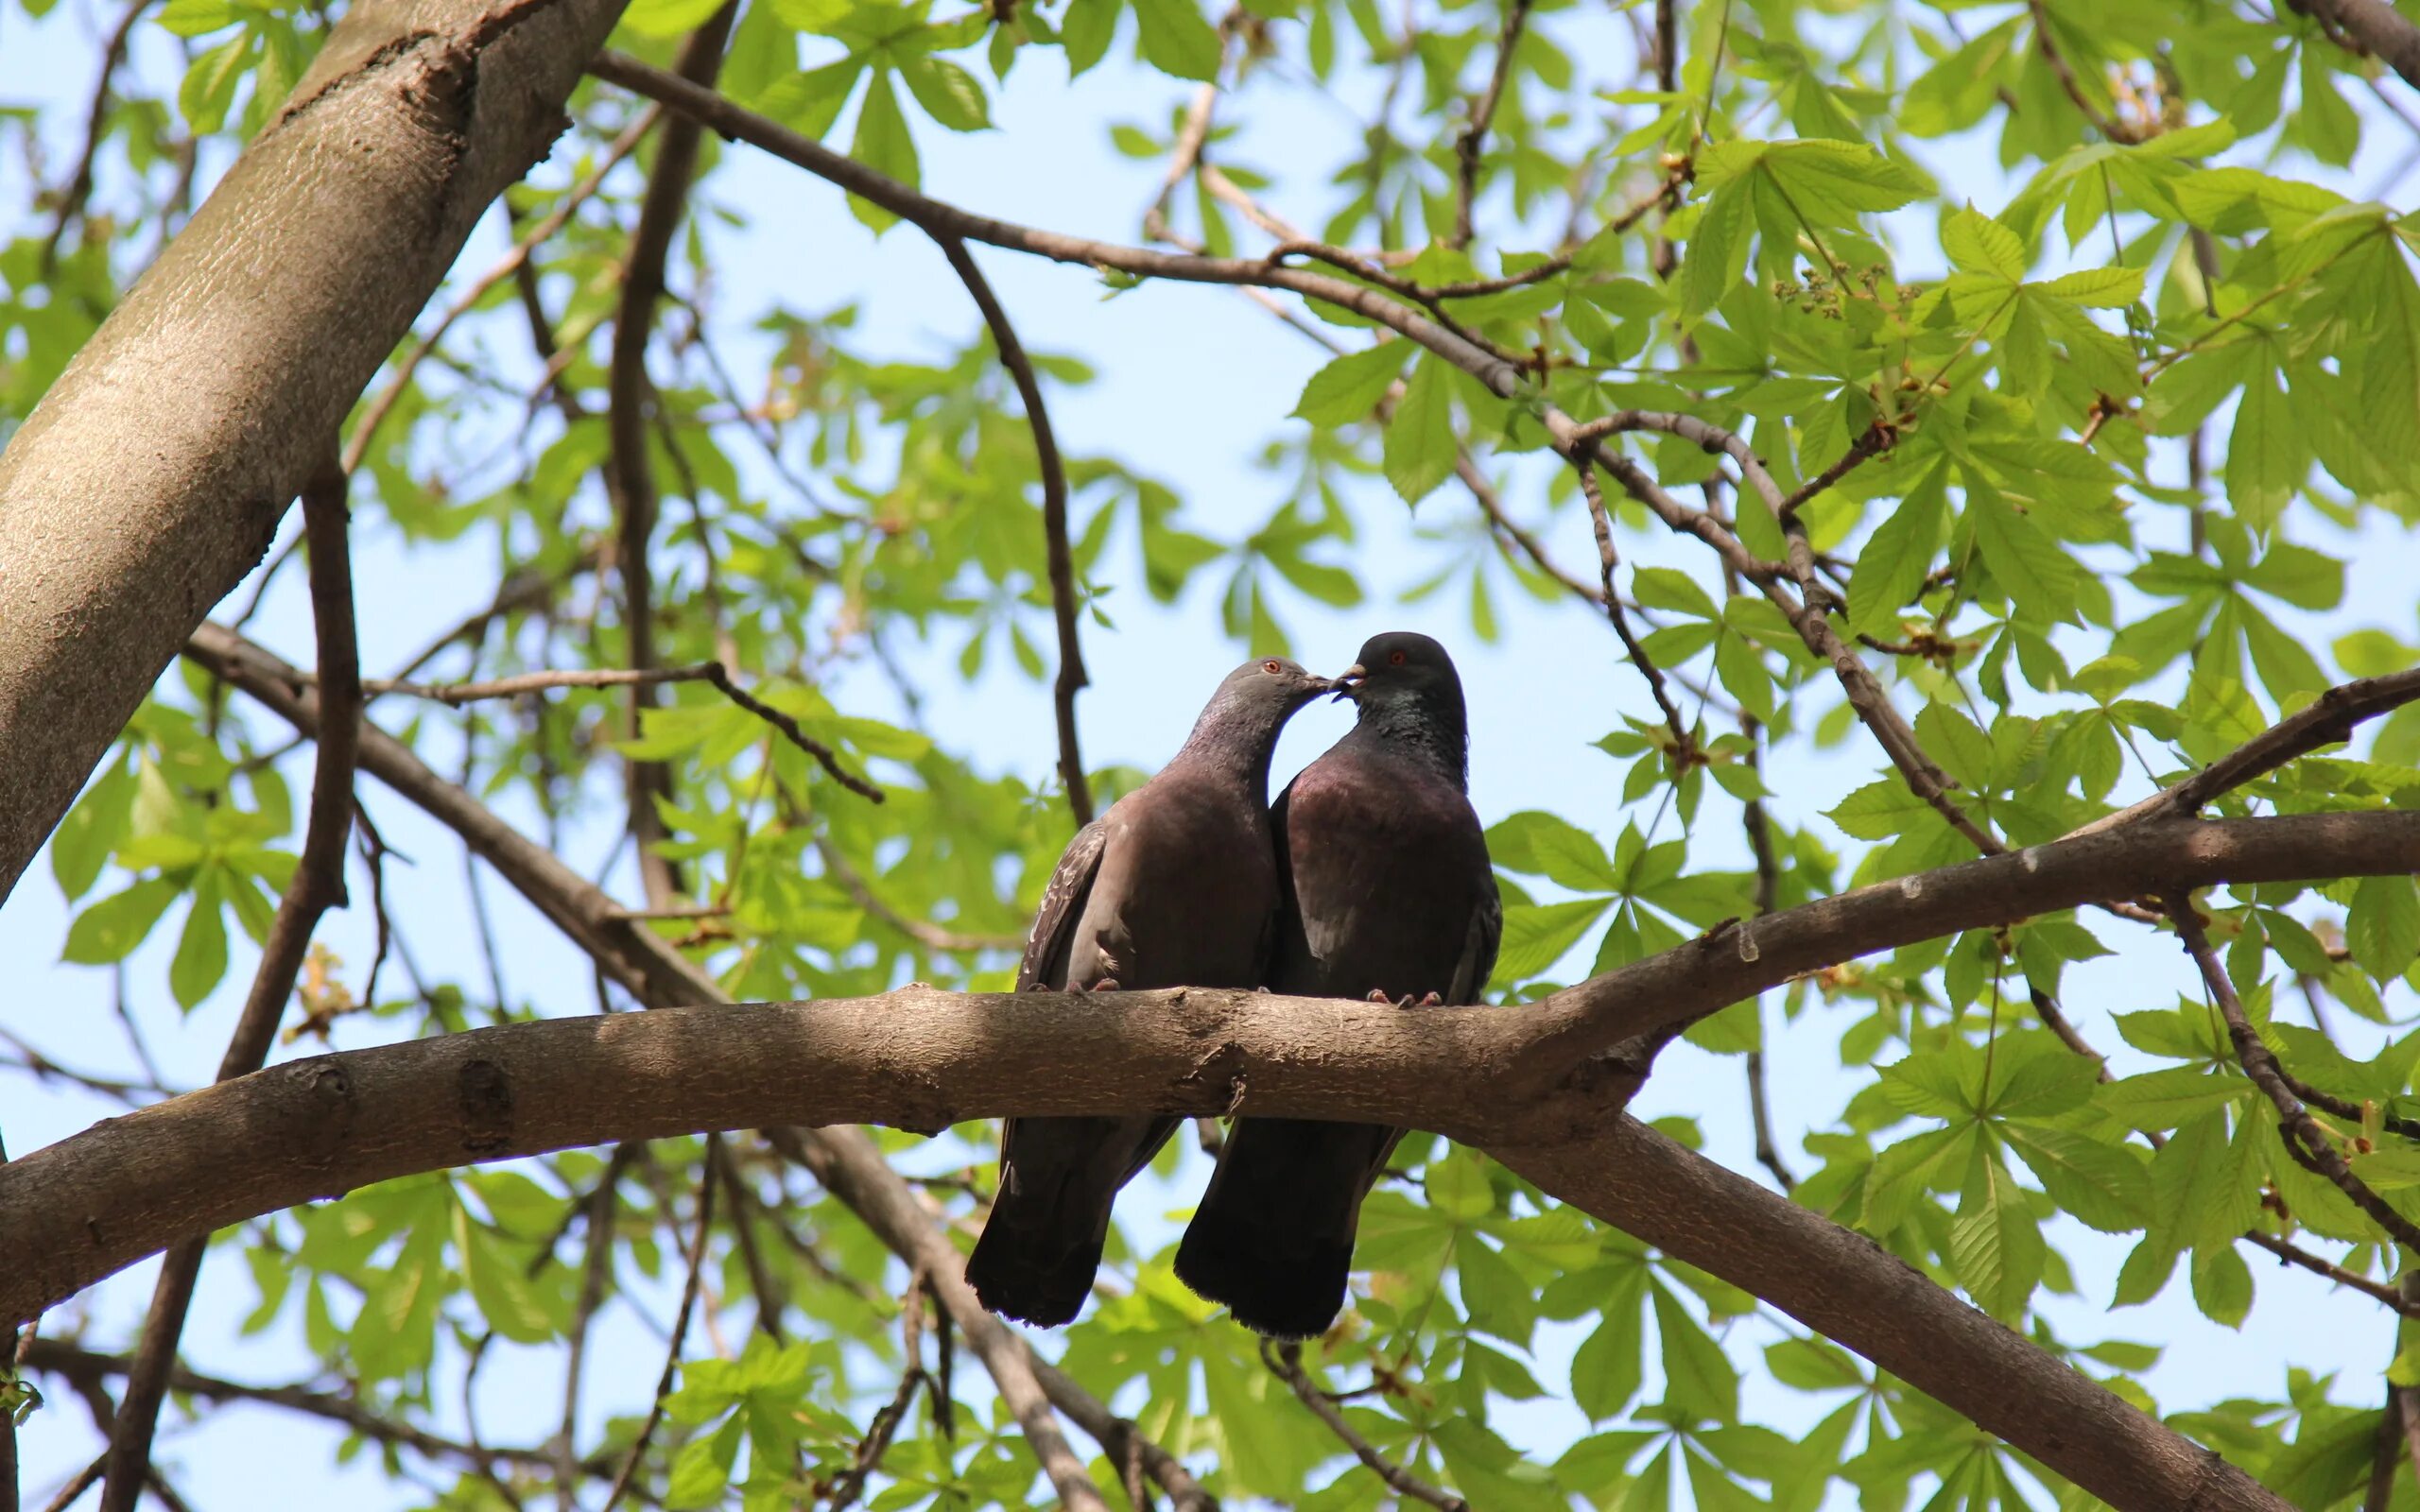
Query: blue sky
(1191, 382)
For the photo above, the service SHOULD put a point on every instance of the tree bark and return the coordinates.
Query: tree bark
(1851, 1290)
(150, 478)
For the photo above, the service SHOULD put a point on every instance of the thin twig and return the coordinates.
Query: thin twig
(1060, 562)
(316, 886)
(922, 931)
(78, 1485)
(713, 673)
(743, 1228)
(509, 265)
(73, 199)
(2327, 720)
(1684, 744)
(2304, 1138)
(595, 1269)
(1285, 1363)
(680, 1331)
(76, 1365)
(1468, 145)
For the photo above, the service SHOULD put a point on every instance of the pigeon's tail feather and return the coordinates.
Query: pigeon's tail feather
(1273, 1239)
(1042, 1243)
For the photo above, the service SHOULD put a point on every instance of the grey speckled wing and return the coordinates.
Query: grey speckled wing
(1047, 944)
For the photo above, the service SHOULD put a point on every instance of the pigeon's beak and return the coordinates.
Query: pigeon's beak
(1348, 681)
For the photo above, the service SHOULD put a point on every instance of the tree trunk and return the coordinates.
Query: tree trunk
(153, 476)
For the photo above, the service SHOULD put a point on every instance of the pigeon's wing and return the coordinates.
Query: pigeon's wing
(1478, 947)
(1044, 966)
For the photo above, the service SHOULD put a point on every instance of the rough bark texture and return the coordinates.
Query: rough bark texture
(153, 474)
(918, 1058)
(1851, 1290)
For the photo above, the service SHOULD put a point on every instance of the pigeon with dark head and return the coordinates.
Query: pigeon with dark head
(1390, 894)
(1176, 885)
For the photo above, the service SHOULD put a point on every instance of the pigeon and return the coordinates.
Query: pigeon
(1389, 896)
(1176, 885)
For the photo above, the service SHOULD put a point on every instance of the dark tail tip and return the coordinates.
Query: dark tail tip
(1280, 1290)
(1017, 1279)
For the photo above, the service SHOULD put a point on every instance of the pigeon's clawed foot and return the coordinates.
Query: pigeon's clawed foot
(1430, 1001)
(1378, 995)
(1107, 984)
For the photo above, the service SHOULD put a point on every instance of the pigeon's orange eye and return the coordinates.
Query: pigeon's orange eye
(1270, 665)
(1395, 659)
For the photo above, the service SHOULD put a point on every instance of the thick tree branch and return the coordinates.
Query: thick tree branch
(1851, 1290)
(86, 1207)
(2377, 27)
(1072, 678)
(316, 886)
(204, 402)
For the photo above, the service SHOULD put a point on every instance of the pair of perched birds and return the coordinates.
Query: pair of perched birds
(1368, 878)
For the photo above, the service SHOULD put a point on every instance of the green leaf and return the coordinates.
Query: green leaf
(2096, 288)
(2382, 929)
(882, 144)
(95, 828)
(2222, 1283)
(948, 92)
(2104, 1186)
(1536, 935)
(109, 929)
(1995, 1244)
(2039, 577)
(202, 950)
(1349, 388)
(1894, 562)
(1543, 844)
(1717, 253)
(1420, 439)
(1085, 32)
(1176, 40)
(2267, 454)
(1698, 1378)
(648, 18)
(1977, 244)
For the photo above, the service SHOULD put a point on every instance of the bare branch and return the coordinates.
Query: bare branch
(679, 1329)
(73, 1363)
(316, 886)
(508, 265)
(2327, 720)
(1285, 1363)
(79, 189)
(629, 471)
(2375, 26)
(1684, 744)
(2303, 1133)
(1851, 1290)
(595, 1269)
(707, 671)
(1072, 678)
(1468, 145)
